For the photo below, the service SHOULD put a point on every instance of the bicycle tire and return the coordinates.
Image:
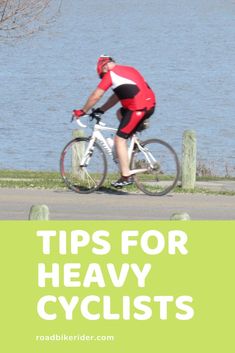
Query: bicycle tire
(161, 179)
(83, 179)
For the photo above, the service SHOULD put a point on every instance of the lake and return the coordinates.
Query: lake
(185, 49)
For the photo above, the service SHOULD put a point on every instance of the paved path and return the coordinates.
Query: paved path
(67, 205)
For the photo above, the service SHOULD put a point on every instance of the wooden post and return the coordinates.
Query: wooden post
(77, 153)
(180, 216)
(39, 213)
(189, 160)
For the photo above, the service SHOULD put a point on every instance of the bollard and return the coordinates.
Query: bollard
(77, 153)
(78, 133)
(39, 213)
(189, 160)
(180, 216)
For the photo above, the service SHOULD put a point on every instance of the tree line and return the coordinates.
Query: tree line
(19, 18)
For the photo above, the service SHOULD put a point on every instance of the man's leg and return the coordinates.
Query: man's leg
(122, 154)
(122, 151)
(129, 121)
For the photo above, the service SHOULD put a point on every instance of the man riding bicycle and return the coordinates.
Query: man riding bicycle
(137, 100)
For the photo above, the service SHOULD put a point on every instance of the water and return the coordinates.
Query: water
(185, 49)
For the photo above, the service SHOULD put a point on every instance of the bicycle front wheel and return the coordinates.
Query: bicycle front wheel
(161, 166)
(89, 176)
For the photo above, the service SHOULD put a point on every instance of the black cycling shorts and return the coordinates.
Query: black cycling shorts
(131, 121)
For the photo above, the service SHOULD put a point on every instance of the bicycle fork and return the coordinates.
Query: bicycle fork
(88, 153)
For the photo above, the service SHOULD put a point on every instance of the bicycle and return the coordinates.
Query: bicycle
(153, 163)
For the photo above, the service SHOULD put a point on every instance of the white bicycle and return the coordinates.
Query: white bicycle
(83, 162)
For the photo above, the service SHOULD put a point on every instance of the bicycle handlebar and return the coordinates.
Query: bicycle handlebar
(92, 115)
(79, 123)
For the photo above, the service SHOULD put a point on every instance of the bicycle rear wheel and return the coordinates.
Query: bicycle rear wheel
(162, 165)
(85, 178)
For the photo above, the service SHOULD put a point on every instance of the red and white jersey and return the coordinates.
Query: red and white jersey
(129, 86)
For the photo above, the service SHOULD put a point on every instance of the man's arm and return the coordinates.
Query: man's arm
(93, 99)
(110, 103)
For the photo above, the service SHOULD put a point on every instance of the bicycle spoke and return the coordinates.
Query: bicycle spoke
(162, 166)
(88, 178)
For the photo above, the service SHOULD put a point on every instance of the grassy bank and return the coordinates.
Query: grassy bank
(53, 180)
(30, 179)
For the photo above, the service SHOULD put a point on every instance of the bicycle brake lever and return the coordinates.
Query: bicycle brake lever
(95, 116)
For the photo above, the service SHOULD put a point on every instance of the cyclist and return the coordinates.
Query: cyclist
(137, 100)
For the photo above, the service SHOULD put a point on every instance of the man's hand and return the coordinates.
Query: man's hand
(78, 113)
(98, 111)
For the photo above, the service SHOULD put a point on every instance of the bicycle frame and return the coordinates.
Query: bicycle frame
(97, 135)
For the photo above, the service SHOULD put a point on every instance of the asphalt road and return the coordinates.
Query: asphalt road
(67, 205)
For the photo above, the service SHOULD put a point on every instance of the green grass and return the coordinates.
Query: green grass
(205, 191)
(53, 180)
(30, 179)
(215, 178)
